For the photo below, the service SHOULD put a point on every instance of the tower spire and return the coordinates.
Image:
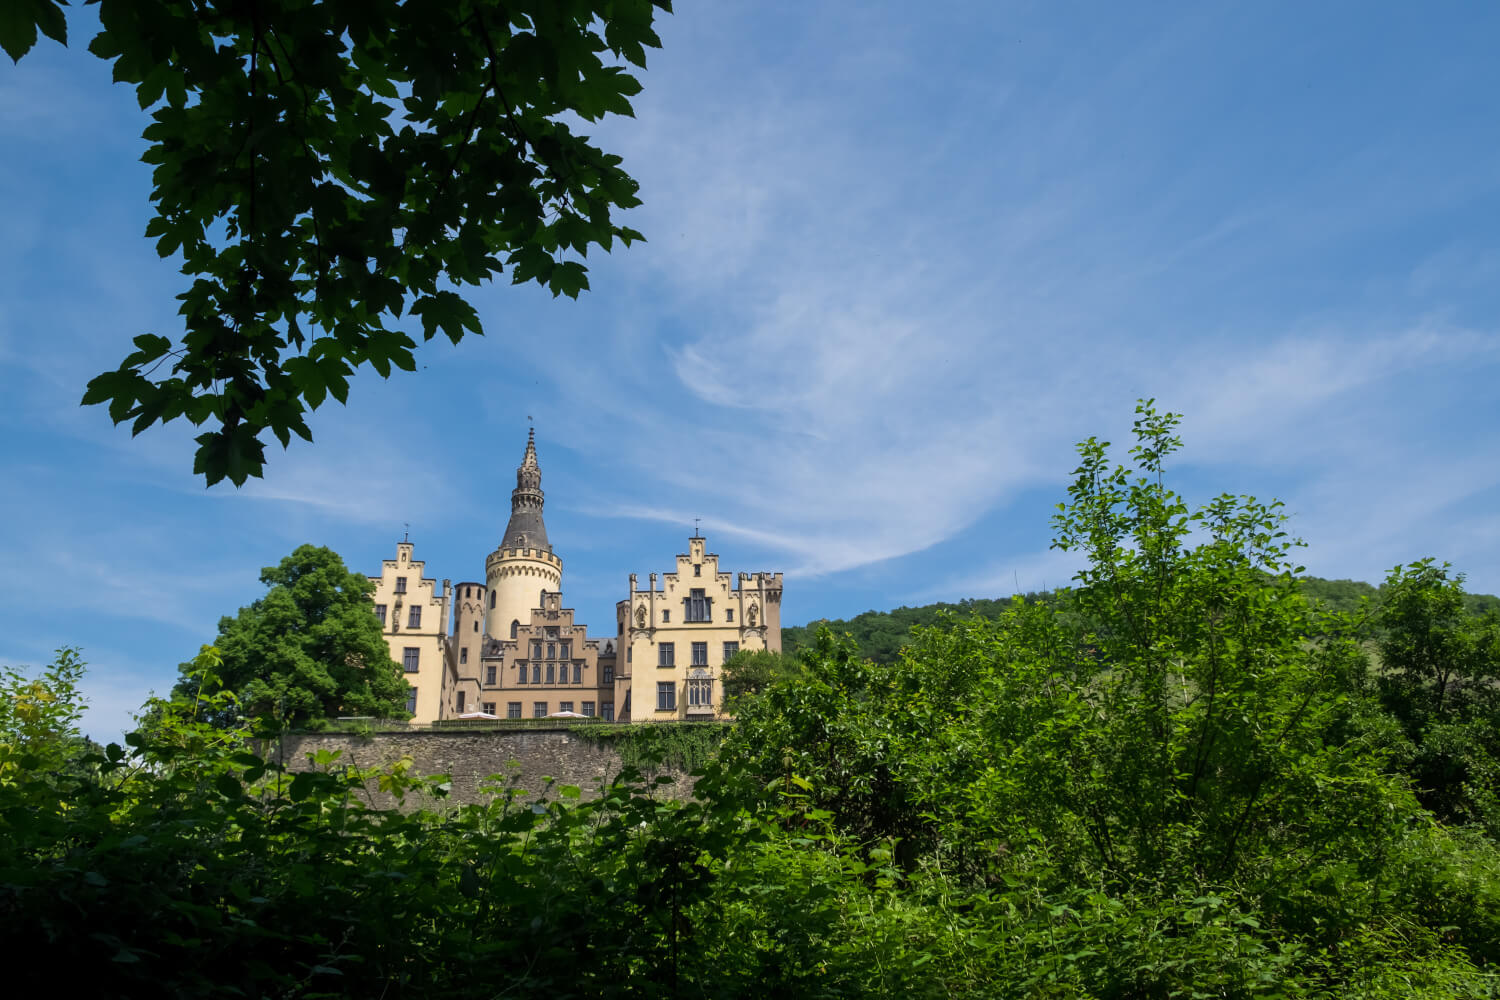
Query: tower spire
(526, 529)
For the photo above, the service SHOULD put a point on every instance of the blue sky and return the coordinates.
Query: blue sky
(900, 258)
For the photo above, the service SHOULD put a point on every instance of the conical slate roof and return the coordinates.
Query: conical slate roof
(526, 529)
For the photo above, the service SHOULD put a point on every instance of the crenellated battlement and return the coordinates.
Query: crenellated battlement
(502, 555)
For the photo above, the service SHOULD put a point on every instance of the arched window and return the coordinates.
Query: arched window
(492, 600)
(515, 626)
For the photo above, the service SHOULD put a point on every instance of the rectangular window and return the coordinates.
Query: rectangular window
(628, 653)
(701, 693)
(666, 696)
(696, 607)
(410, 657)
(536, 651)
(400, 584)
(666, 616)
(565, 651)
(550, 674)
(551, 650)
(729, 614)
(513, 710)
(697, 569)
(607, 711)
(411, 700)
(730, 648)
(539, 710)
(609, 674)
(700, 654)
(460, 704)
(489, 676)
(380, 613)
(665, 655)
(577, 673)
(414, 618)
(521, 674)
(536, 673)
(588, 709)
(463, 655)
(489, 708)
(565, 706)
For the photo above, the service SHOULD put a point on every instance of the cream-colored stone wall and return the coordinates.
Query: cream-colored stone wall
(400, 588)
(678, 631)
(551, 666)
(515, 579)
(466, 645)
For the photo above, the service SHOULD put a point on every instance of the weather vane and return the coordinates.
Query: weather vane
(696, 532)
(407, 526)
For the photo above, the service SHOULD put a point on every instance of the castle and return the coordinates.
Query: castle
(507, 647)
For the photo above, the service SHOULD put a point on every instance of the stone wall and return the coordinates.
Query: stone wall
(522, 757)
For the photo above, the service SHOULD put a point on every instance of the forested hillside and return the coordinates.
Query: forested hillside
(881, 634)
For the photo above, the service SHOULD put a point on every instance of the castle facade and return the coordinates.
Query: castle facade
(507, 648)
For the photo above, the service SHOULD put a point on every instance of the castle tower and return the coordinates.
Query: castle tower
(466, 645)
(523, 566)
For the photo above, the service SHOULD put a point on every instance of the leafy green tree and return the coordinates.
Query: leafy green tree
(323, 169)
(751, 671)
(310, 649)
(39, 716)
(1157, 784)
(1440, 677)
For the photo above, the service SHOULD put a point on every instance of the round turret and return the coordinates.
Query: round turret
(523, 565)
